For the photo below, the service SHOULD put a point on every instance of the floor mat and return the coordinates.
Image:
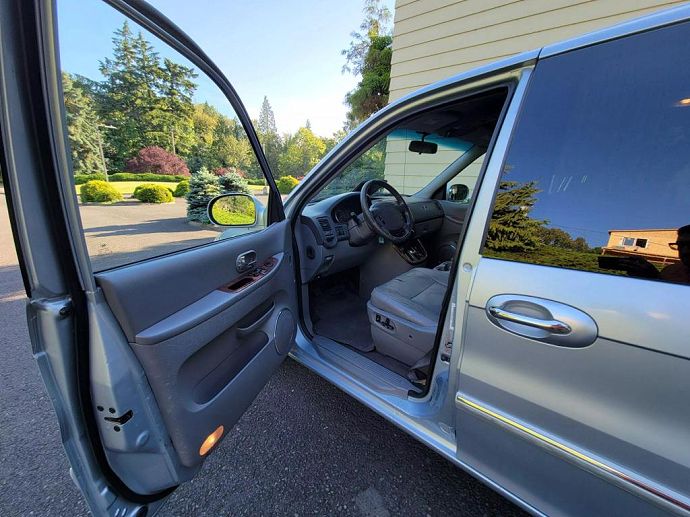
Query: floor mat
(342, 316)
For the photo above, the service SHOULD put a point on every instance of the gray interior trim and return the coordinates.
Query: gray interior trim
(365, 370)
(193, 314)
(143, 294)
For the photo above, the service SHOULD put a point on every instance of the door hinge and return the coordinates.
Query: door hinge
(450, 335)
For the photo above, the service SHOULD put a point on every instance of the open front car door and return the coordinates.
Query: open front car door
(151, 363)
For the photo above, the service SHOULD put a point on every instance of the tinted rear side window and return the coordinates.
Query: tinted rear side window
(597, 176)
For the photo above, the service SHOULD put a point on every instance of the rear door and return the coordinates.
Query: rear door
(152, 334)
(574, 376)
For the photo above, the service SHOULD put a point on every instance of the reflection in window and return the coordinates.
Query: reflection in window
(597, 177)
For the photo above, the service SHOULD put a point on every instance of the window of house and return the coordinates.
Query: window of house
(602, 145)
(152, 139)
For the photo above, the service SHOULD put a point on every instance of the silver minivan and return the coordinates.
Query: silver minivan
(496, 263)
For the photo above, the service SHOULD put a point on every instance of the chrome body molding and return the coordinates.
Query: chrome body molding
(657, 495)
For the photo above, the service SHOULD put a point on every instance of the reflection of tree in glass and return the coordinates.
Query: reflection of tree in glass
(511, 228)
(368, 166)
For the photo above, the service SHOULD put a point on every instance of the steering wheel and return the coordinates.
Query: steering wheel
(392, 221)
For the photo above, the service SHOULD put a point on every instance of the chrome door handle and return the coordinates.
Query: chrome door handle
(542, 320)
(553, 326)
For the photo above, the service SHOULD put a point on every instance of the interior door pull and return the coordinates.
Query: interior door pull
(542, 320)
(553, 326)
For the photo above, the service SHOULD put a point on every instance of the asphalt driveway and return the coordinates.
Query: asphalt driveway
(303, 447)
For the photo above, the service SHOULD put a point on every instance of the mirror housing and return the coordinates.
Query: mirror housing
(458, 192)
(235, 210)
(422, 147)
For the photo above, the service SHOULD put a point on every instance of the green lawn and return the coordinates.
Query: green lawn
(127, 187)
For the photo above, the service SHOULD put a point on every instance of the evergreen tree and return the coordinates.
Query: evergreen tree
(267, 120)
(375, 23)
(371, 93)
(511, 228)
(83, 128)
(121, 97)
(203, 186)
(177, 90)
(270, 139)
(369, 55)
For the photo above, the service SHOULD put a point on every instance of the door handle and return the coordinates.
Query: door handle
(553, 326)
(542, 320)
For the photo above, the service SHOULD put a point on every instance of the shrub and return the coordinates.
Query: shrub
(157, 160)
(203, 186)
(152, 193)
(97, 191)
(233, 182)
(182, 189)
(222, 171)
(80, 179)
(254, 181)
(144, 176)
(286, 184)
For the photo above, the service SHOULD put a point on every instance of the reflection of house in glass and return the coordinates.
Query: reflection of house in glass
(651, 245)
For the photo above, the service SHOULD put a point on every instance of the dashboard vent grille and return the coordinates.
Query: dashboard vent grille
(326, 227)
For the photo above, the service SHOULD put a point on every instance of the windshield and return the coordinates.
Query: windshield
(391, 159)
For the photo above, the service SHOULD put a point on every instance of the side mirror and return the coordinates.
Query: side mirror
(234, 210)
(458, 192)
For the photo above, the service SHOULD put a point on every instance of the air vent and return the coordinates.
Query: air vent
(326, 228)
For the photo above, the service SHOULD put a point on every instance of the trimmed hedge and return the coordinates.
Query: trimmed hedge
(145, 176)
(80, 179)
(286, 184)
(182, 189)
(253, 181)
(97, 191)
(152, 193)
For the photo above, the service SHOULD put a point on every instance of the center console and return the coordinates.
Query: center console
(412, 251)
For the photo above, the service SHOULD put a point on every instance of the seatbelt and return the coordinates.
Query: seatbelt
(420, 370)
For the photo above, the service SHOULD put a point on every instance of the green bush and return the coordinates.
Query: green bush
(254, 181)
(152, 193)
(182, 189)
(286, 184)
(146, 176)
(97, 191)
(80, 179)
(203, 186)
(233, 182)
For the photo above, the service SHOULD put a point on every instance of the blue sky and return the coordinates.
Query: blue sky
(287, 50)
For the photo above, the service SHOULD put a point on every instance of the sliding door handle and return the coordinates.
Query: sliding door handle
(542, 320)
(553, 326)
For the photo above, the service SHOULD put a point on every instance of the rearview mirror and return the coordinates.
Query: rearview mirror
(422, 147)
(232, 210)
(458, 192)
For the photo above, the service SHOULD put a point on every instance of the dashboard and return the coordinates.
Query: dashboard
(343, 210)
(324, 235)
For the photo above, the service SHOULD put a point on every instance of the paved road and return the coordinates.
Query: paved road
(303, 447)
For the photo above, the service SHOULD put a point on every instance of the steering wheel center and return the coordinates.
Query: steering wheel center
(390, 219)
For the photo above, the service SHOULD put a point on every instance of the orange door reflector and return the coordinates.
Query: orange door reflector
(211, 440)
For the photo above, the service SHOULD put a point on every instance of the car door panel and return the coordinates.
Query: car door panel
(206, 351)
(605, 400)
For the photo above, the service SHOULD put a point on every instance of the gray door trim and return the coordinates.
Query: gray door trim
(666, 499)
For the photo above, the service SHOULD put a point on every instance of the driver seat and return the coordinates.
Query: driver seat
(404, 313)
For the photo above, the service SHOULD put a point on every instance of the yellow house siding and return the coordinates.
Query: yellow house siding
(434, 39)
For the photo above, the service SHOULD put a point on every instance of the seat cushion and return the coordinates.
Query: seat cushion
(415, 296)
